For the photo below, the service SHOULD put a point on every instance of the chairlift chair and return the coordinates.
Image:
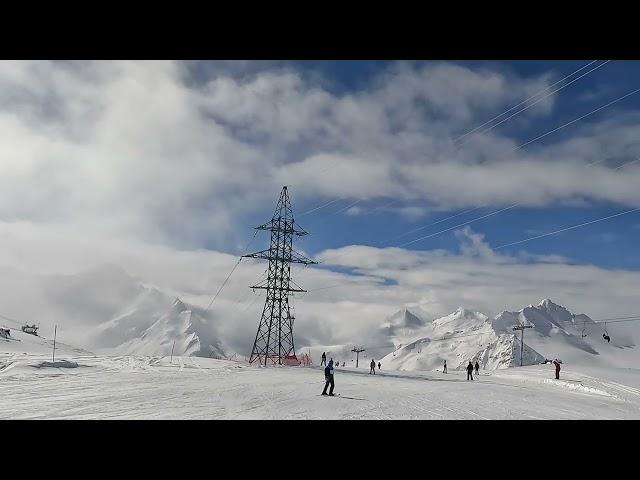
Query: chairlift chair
(605, 335)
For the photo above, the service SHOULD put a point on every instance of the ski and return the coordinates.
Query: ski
(337, 395)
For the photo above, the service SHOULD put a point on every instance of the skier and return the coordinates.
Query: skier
(337, 363)
(379, 366)
(324, 359)
(470, 370)
(373, 367)
(343, 363)
(477, 367)
(444, 370)
(328, 376)
(556, 362)
(606, 337)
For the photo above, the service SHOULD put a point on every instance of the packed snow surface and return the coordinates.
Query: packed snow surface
(138, 387)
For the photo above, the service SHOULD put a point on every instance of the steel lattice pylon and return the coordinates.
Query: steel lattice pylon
(274, 339)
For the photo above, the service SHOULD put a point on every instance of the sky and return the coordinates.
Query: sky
(161, 159)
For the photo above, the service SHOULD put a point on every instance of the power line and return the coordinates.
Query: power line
(326, 217)
(222, 286)
(261, 277)
(229, 276)
(566, 229)
(348, 207)
(336, 285)
(524, 101)
(446, 230)
(617, 318)
(459, 225)
(434, 223)
(542, 98)
(320, 207)
(636, 318)
(577, 119)
(628, 163)
(597, 162)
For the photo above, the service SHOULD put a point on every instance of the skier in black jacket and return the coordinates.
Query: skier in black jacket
(470, 370)
(324, 359)
(373, 367)
(328, 376)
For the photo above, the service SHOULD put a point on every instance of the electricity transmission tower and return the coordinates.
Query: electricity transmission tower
(274, 339)
(358, 351)
(521, 327)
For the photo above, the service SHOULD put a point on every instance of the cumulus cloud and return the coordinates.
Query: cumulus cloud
(177, 151)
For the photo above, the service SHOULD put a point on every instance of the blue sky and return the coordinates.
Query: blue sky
(610, 244)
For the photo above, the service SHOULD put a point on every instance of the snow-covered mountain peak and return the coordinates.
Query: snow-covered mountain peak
(179, 306)
(462, 336)
(547, 303)
(403, 322)
(467, 335)
(461, 318)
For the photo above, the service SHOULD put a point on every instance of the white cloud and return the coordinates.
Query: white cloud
(147, 150)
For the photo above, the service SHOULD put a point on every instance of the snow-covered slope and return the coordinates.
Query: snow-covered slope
(106, 310)
(458, 338)
(178, 328)
(20, 343)
(465, 336)
(131, 387)
(401, 325)
(559, 333)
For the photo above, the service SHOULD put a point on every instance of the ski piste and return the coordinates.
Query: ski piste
(341, 396)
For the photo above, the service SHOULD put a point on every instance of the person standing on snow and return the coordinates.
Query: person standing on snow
(477, 367)
(324, 359)
(444, 370)
(373, 367)
(328, 376)
(556, 362)
(470, 370)
(379, 366)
